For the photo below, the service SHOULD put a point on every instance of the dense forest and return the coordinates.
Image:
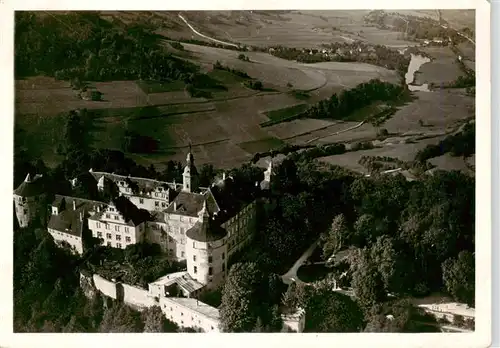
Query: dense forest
(47, 296)
(83, 45)
(340, 106)
(462, 144)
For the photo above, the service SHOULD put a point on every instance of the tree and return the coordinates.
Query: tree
(384, 256)
(367, 282)
(329, 311)
(459, 277)
(238, 308)
(393, 316)
(207, 175)
(334, 238)
(74, 325)
(153, 319)
(120, 318)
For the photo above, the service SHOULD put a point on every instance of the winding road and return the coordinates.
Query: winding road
(291, 276)
(205, 36)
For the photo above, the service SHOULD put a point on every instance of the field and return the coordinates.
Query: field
(280, 114)
(225, 130)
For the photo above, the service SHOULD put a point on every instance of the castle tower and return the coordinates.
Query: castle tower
(190, 175)
(206, 250)
(29, 200)
(269, 171)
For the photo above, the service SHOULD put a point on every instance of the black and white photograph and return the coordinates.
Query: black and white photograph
(245, 171)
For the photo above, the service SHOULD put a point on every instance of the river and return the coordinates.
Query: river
(415, 63)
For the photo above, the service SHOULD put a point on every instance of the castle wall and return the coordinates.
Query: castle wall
(137, 297)
(74, 241)
(106, 287)
(185, 316)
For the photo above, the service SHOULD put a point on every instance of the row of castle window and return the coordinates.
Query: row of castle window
(117, 228)
(210, 258)
(182, 314)
(118, 237)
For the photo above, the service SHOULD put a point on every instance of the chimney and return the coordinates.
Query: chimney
(74, 205)
(81, 217)
(175, 206)
(28, 178)
(224, 176)
(91, 170)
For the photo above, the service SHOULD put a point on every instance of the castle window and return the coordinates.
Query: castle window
(141, 200)
(182, 230)
(117, 228)
(99, 234)
(182, 314)
(107, 226)
(118, 237)
(194, 244)
(98, 225)
(163, 204)
(108, 216)
(109, 244)
(195, 269)
(182, 253)
(210, 271)
(111, 209)
(127, 230)
(157, 204)
(108, 235)
(118, 245)
(127, 239)
(194, 258)
(117, 217)
(210, 259)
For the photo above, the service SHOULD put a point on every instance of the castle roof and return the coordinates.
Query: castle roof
(143, 184)
(207, 231)
(68, 219)
(189, 203)
(132, 215)
(182, 279)
(31, 186)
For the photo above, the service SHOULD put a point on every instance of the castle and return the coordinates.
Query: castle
(203, 226)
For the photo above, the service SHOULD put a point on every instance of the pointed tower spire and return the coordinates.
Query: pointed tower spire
(190, 175)
(203, 214)
(28, 178)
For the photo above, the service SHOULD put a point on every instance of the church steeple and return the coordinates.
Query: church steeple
(190, 175)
